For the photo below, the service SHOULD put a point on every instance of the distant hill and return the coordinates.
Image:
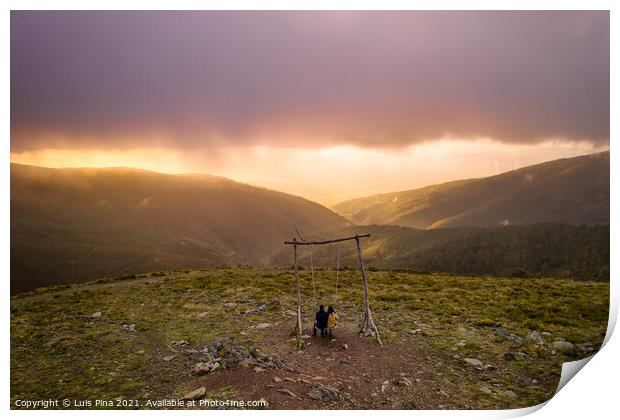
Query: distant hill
(573, 191)
(541, 250)
(69, 225)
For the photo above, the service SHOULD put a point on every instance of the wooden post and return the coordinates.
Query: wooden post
(298, 328)
(368, 324)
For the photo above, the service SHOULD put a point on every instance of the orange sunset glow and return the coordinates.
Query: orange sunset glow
(361, 107)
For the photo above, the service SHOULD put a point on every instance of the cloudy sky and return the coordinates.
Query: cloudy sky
(329, 105)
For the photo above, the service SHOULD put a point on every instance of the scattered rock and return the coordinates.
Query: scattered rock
(473, 362)
(226, 354)
(202, 314)
(170, 358)
(321, 392)
(96, 315)
(128, 327)
(259, 369)
(230, 305)
(196, 394)
(486, 390)
(204, 368)
(510, 394)
(287, 391)
(534, 337)
(565, 347)
(262, 325)
(179, 343)
(217, 344)
(291, 367)
(507, 335)
(261, 308)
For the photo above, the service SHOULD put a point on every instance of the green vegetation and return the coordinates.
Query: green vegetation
(59, 349)
(543, 250)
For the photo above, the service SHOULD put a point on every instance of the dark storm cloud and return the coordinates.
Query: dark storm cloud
(109, 79)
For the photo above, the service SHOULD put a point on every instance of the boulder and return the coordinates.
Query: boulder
(96, 315)
(262, 325)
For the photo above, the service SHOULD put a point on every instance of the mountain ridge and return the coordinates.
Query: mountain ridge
(570, 190)
(79, 223)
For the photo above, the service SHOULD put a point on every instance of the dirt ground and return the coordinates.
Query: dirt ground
(369, 373)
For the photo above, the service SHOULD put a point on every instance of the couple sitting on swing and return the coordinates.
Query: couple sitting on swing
(325, 321)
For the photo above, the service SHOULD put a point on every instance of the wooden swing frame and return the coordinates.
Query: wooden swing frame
(368, 325)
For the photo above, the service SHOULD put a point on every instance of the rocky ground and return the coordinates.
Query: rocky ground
(225, 335)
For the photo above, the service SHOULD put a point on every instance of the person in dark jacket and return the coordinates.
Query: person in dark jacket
(320, 322)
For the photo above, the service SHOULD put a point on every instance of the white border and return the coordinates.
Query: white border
(592, 394)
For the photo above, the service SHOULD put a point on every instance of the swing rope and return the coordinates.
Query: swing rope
(312, 273)
(337, 271)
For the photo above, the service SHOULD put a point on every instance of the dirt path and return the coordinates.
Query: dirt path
(369, 373)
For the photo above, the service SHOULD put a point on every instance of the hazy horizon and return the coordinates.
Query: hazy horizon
(309, 197)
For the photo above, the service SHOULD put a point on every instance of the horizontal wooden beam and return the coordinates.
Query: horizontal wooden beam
(295, 241)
